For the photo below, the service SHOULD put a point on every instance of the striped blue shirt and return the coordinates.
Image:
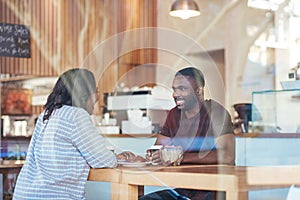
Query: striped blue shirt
(60, 154)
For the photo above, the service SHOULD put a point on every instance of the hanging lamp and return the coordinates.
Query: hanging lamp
(184, 9)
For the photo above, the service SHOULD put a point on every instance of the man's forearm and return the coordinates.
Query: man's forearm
(207, 157)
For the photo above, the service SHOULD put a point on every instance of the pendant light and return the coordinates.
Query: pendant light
(184, 9)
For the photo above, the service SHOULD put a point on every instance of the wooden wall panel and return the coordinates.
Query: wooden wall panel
(64, 33)
(138, 14)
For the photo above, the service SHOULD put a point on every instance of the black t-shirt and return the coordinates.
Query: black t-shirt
(198, 133)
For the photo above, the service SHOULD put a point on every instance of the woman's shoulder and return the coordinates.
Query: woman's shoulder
(71, 112)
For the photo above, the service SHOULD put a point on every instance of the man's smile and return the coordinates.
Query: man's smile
(179, 101)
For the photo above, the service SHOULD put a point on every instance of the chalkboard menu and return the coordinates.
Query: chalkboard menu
(14, 40)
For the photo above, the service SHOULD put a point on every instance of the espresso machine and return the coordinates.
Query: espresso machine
(140, 112)
(244, 111)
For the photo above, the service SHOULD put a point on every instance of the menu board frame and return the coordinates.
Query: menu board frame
(14, 40)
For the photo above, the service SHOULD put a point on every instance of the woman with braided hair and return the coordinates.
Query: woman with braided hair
(65, 144)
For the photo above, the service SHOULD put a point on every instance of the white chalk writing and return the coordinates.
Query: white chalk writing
(14, 40)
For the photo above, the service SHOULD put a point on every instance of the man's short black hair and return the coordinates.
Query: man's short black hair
(193, 73)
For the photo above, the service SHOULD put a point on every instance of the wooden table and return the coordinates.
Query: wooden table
(236, 181)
